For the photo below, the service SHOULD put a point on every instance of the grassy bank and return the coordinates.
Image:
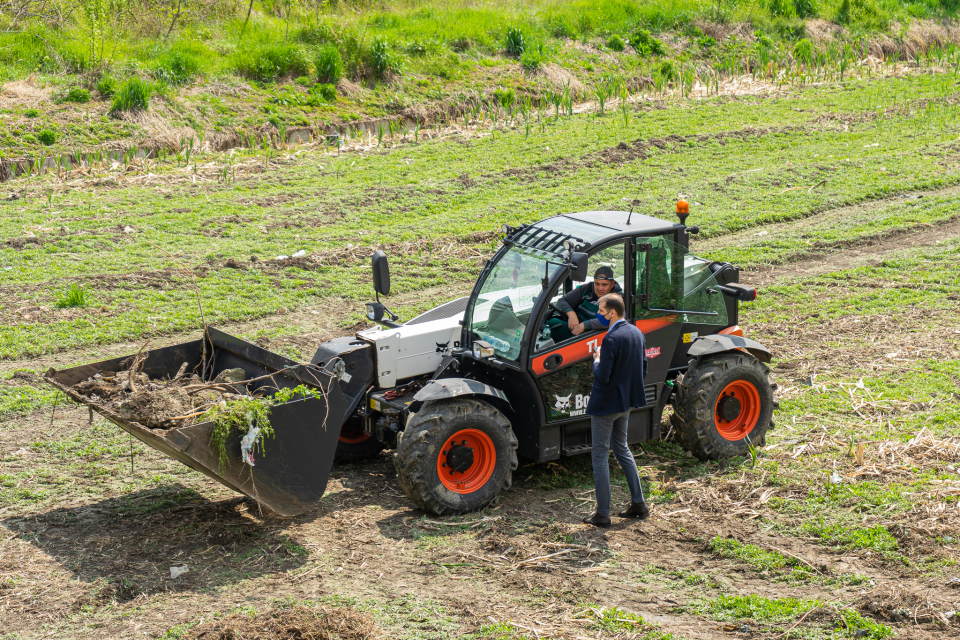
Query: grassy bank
(101, 76)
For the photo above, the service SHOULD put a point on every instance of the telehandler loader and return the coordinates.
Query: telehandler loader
(463, 390)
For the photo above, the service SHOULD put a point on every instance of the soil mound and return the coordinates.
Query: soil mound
(297, 623)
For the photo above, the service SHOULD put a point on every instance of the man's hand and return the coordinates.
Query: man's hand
(573, 321)
(596, 354)
(577, 330)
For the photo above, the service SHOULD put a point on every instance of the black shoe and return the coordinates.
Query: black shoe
(636, 510)
(598, 520)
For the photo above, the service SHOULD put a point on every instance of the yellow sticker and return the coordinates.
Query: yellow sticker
(689, 337)
(374, 405)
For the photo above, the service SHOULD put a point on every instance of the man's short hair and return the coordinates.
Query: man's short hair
(603, 273)
(613, 302)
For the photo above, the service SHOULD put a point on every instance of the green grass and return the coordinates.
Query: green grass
(139, 307)
(875, 538)
(759, 608)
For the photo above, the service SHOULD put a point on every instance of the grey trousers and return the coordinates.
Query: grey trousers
(607, 431)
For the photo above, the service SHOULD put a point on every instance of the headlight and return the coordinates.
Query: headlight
(482, 350)
(375, 311)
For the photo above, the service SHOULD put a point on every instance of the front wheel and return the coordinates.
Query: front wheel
(455, 456)
(724, 404)
(354, 444)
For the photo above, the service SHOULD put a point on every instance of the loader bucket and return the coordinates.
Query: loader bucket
(291, 474)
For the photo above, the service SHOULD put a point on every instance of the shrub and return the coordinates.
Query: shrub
(803, 50)
(381, 60)
(505, 97)
(532, 59)
(178, 66)
(667, 71)
(645, 44)
(805, 8)
(32, 113)
(268, 62)
(516, 44)
(781, 8)
(47, 137)
(78, 94)
(329, 64)
(326, 91)
(864, 13)
(75, 296)
(107, 86)
(615, 43)
(133, 94)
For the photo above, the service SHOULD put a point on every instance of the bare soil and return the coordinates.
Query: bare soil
(97, 565)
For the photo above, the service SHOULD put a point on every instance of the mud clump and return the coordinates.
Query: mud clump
(297, 623)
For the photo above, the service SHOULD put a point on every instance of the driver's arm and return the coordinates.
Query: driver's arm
(568, 303)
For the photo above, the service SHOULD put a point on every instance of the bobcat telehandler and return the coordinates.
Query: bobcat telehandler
(461, 391)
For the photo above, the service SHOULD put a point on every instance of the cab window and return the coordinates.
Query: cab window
(671, 282)
(581, 299)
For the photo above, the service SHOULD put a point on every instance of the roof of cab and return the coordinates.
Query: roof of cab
(597, 226)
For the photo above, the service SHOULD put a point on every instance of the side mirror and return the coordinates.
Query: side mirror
(381, 273)
(578, 266)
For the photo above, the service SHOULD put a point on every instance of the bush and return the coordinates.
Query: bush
(107, 86)
(803, 50)
(47, 137)
(505, 97)
(532, 59)
(178, 66)
(32, 113)
(805, 8)
(615, 43)
(329, 64)
(516, 44)
(78, 94)
(863, 13)
(667, 71)
(268, 62)
(132, 95)
(326, 91)
(381, 60)
(781, 8)
(645, 44)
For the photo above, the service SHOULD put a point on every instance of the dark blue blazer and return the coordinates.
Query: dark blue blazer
(618, 375)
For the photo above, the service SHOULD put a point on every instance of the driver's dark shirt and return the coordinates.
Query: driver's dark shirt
(584, 293)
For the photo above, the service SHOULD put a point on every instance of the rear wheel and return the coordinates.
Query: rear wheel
(455, 456)
(354, 444)
(724, 404)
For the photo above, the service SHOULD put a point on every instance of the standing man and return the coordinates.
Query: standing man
(619, 369)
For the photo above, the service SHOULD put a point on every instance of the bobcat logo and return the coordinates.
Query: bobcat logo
(563, 404)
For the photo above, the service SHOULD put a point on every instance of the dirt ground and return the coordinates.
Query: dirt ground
(370, 565)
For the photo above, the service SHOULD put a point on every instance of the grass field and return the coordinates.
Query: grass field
(839, 201)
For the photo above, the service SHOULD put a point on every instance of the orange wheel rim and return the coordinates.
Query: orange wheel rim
(466, 461)
(353, 436)
(737, 411)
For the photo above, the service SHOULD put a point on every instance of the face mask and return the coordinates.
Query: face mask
(603, 321)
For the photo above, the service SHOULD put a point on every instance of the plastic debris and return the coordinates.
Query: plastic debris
(128, 229)
(282, 258)
(249, 441)
(835, 478)
(176, 572)
(300, 254)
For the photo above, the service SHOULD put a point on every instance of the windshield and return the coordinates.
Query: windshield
(511, 289)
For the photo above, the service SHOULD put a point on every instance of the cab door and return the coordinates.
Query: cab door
(564, 370)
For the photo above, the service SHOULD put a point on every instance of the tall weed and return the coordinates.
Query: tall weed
(134, 94)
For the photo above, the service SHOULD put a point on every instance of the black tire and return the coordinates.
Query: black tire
(423, 450)
(711, 429)
(353, 446)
